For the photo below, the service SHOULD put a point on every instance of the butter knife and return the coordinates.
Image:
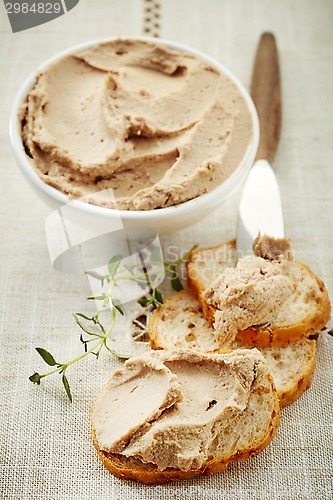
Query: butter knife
(260, 208)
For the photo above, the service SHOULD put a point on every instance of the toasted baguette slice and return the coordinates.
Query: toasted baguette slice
(240, 436)
(180, 324)
(304, 313)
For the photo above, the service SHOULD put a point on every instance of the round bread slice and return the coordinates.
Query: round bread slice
(181, 324)
(305, 312)
(237, 435)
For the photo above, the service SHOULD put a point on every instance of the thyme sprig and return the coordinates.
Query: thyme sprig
(94, 334)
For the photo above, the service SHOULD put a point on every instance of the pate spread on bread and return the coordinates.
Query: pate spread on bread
(248, 294)
(306, 311)
(183, 413)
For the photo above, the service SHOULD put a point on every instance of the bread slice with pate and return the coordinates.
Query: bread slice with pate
(181, 324)
(306, 311)
(170, 415)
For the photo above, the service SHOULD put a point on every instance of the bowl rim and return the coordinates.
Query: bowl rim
(223, 190)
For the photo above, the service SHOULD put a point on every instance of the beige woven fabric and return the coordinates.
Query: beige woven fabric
(45, 443)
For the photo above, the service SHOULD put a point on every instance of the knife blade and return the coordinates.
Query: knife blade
(260, 208)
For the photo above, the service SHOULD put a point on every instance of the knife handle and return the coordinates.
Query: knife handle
(266, 95)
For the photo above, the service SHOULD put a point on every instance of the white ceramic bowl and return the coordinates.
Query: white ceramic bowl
(163, 219)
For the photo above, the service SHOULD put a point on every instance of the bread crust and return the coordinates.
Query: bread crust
(293, 392)
(136, 470)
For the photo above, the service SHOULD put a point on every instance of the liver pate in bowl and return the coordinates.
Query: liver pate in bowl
(168, 130)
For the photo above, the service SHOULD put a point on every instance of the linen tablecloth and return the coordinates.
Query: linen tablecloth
(45, 443)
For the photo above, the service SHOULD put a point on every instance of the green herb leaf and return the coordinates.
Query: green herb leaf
(120, 356)
(67, 388)
(88, 318)
(78, 322)
(47, 357)
(114, 264)
(96, 275)
(117, 306)
(99, 297)
(35, 378)
(99, 324)
(176, 283)
(143, 301)
(117, 354)
(158, 296)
